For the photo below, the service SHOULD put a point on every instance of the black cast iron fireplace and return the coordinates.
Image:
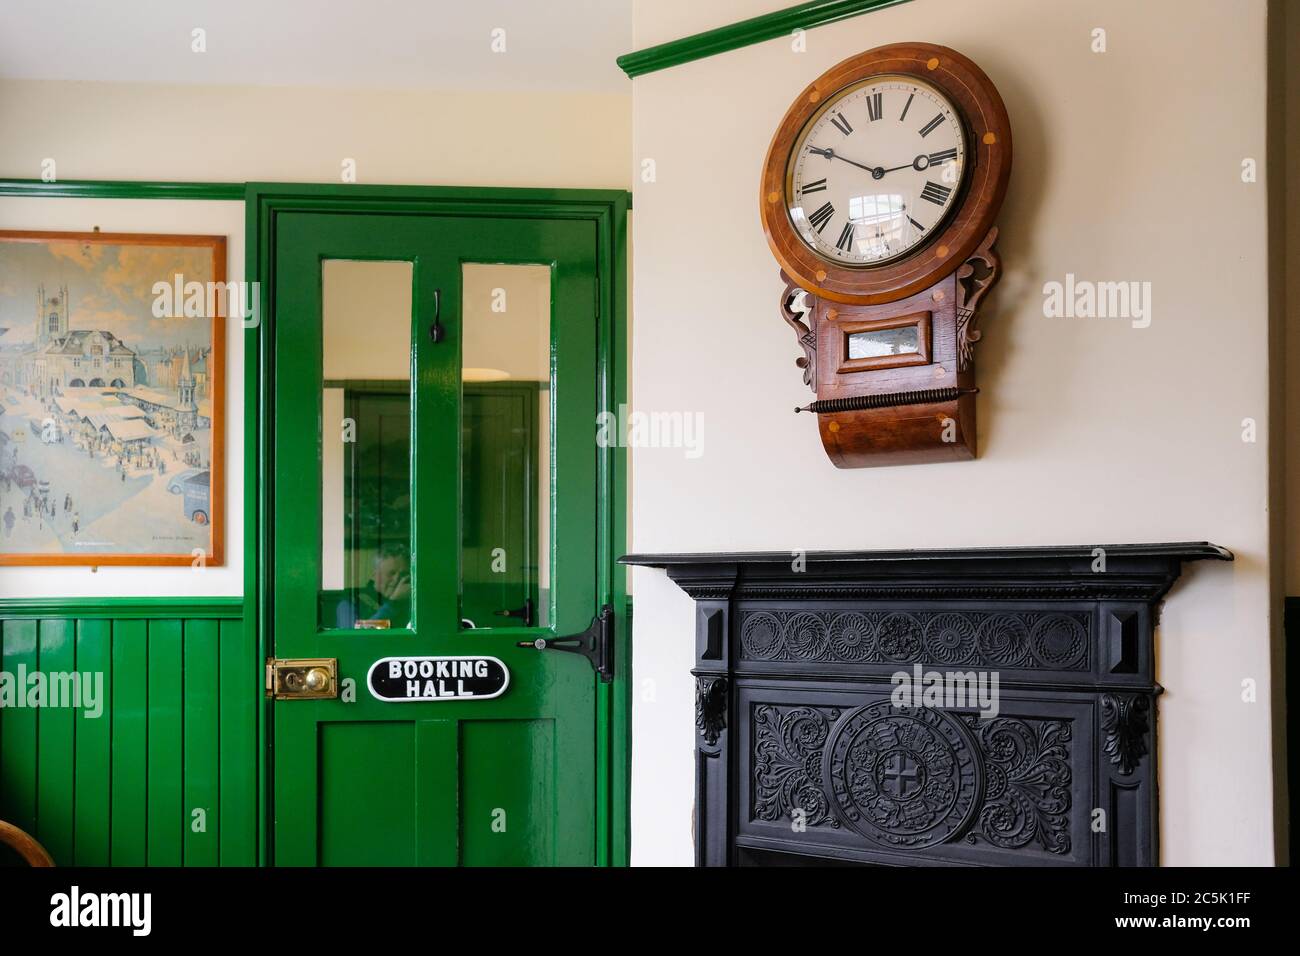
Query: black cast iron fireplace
(812, 749)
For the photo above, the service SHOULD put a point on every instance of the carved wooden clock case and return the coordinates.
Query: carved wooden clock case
(887, 324)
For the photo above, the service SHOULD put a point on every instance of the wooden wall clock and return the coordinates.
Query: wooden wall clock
(879, 195)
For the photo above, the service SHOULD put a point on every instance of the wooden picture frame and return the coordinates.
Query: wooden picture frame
(153, 426)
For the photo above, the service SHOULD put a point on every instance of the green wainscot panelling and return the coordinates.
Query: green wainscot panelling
(148, 755)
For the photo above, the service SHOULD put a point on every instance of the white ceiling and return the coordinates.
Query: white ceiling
(375, 44)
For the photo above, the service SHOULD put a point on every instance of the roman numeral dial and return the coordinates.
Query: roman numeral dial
(824, 214)
(933, 192)
(877, 170)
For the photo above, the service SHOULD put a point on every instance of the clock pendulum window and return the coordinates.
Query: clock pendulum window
(879, 194)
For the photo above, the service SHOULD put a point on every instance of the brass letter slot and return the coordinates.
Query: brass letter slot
(303, 678)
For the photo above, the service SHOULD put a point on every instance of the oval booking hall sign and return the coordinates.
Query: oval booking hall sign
(402, 679)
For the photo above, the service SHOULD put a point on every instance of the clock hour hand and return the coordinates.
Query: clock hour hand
(875, 171)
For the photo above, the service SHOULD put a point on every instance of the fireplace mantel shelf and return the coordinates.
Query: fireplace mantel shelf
(1179, 550)
(1143, 572)
(797, 659)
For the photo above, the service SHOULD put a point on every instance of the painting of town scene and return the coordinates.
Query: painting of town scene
(110, 405)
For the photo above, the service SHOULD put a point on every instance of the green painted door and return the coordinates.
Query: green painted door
(435, 462)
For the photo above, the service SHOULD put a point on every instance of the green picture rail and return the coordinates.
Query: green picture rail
(803, 16)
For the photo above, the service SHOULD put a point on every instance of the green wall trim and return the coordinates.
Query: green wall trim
(251, 191)
(804, 16)
(207, 608)
(106, 189)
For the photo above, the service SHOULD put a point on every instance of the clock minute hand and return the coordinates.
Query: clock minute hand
(875, 171)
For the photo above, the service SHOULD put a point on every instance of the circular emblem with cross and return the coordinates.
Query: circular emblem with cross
(906, 777)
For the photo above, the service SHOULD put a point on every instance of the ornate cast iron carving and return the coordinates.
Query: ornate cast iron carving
(809, 645)
(974, 279)
(905, 777)
(1100, 590)
(1043, 640)
(1027, 783)
(788, 744)
(711, 708)
(904, 772)
(1125, 719)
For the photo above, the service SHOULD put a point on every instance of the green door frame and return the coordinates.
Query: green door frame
(607, 209)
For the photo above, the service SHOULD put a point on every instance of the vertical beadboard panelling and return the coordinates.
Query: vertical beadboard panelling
(202, 677)
(237, 747)
(166, 820)
(92, 799)
(56, 652)
(130, 804)
(18, 731)
(178, 732)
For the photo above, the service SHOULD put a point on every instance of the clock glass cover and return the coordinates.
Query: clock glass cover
(876, 171)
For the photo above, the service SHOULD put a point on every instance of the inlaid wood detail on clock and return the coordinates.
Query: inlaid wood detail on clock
(807, 338)
(969, 173)
(975, 277)
(878, 197)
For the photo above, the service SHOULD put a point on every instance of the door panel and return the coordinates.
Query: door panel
(503, 822)
(510, 780)
(382, 806)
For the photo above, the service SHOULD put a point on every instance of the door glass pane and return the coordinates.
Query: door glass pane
(366, 445)
(506, 446)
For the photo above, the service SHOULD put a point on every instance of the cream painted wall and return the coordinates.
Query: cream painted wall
(234, 134)
(1127, 167)
(244, 133)
(117, 215)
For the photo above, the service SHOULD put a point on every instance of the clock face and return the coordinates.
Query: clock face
(876, 171)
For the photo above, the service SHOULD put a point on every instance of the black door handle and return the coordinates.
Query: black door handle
(525, 612)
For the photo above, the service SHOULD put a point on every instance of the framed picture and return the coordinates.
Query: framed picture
(112, 350)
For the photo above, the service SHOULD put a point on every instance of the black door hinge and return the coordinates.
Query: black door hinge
(596, 643)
